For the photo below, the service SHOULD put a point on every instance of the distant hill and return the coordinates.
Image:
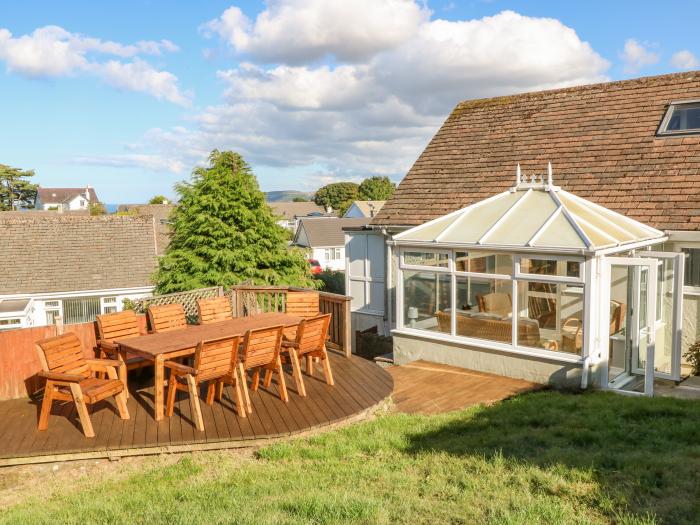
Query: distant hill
(287, 195)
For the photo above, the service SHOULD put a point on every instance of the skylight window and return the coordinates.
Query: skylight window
(681, 118)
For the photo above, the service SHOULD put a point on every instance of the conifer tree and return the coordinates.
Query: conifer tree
(223, 233)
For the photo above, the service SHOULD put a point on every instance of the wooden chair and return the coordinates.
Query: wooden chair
(110, 329)
(166, 317)
(215, 362)
(310, 342)
(301, 304)
(261, 351)
(70, 376)
(213, 310)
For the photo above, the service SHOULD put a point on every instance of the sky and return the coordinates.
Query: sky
(130, 96)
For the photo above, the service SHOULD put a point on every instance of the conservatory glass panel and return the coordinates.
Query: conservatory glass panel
(482, 262)
(426, 301)
(484, 308)
(418, 258)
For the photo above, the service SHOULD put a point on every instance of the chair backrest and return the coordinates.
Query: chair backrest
(302, 304)
(311, 334)
(63, 354)
(111, 327)
(213, 310)
(216, 357)
(262, 346)
(163, 318)
(495, 303)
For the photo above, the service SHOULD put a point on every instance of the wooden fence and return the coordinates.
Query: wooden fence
(19, 362)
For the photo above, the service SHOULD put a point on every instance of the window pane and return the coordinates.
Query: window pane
(692, 266)
(438, 259)
(426, 298)
(550, 316)
(684, 117)
(482, 262)
(550, 267)
(484, 308)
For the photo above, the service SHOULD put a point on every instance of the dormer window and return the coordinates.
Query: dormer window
(681, 118)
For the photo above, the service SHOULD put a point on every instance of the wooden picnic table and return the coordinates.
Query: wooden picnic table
(168, 345)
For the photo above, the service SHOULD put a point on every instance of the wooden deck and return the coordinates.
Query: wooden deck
(430, 388)
(360, 385)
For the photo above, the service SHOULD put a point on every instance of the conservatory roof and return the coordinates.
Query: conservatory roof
(534, 215)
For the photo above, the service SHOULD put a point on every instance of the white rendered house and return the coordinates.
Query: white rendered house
(65, 199)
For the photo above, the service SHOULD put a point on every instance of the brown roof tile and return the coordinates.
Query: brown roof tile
(601, 140)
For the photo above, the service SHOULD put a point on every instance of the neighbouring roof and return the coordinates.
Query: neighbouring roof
(61, 253)
(160, 213)
(48, 195)
(369, 208)
(601, 140)
(532, 216)
(291, 210)
(317, 232)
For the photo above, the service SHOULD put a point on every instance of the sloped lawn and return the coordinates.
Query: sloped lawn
(540, 458)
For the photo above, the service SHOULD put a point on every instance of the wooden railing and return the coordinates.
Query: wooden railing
(249, 300)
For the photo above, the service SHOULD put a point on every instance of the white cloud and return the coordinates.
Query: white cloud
(375, 116)
(299, 31)
(636, 56)
(684, 60)
(52, 51)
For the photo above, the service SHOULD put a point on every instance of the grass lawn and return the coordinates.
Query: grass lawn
(544, 457)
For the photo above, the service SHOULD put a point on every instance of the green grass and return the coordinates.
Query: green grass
(540, 458)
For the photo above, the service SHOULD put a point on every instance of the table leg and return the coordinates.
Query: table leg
(159, 378)
(121, 356)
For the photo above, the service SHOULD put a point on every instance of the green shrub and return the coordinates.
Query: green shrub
(693, 357)
(333, 281)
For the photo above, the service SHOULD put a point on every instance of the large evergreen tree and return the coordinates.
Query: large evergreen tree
(223, 233)
(15, 188)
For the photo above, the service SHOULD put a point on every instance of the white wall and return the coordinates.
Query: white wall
(337, 264)
(353, 212)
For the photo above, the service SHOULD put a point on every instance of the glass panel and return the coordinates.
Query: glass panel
(80, 310)
(550, 316)
(692, 266)
(426, 299)
(438, 259)
(482, 262)
(484, 308)
(620, 290)
(550, 267)
(684, 117)
(663, 353)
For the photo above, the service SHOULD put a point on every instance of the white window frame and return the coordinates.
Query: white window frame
(106, 302)
(57, 308)
(663, 132)
(514, 276)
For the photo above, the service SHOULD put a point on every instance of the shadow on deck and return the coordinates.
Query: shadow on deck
(360, 386)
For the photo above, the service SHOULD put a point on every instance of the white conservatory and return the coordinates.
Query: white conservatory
(538, 283)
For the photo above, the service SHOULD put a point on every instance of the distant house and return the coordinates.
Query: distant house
(290, 212)
(325, 239)
(72, 266)
(367, 209)
(65, 199)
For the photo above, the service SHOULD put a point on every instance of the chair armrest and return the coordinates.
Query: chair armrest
(107, 345)
(101, 365)
(179, 368)
(57, 376)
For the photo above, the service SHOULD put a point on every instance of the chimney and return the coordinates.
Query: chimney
(87, 193)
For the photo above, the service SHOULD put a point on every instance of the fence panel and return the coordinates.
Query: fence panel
(187, 299)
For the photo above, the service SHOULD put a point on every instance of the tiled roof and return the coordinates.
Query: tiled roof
(601, 140)
(290, 210)
(47, 195)
(326, 231)
(41, 254)
(160, 213)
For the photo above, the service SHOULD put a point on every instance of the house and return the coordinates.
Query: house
(72, 266)
(367, 209)
(65, 199)
(324, 239)
(586, 275)
(290, 212)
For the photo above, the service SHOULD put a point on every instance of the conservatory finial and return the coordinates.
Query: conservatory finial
(549, 174)
(517, 175)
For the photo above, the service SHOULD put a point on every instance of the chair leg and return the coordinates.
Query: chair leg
(296, 372)
(46, 406)
(268, 378)
(310, 365)
(282, 383)
(210, 393)
(82, 410)
(327, 368)
(194, 403)
(241, 409)
(244, 387)
(121, 405)
(172, 392)
(255, 382)
(219, 390)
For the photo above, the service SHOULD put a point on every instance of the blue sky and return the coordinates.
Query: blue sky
(128, 96)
